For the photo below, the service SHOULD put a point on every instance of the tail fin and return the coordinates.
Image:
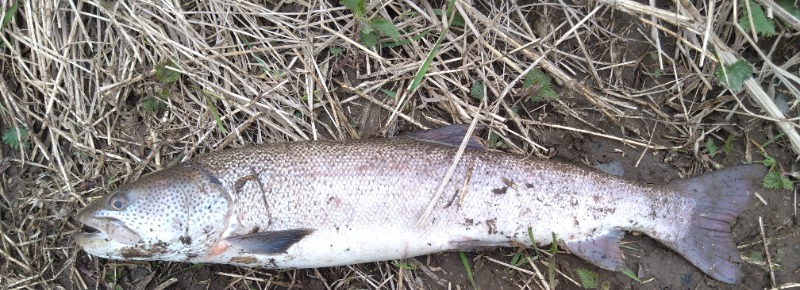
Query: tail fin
(721, 197)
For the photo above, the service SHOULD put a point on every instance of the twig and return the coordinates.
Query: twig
(766, 250)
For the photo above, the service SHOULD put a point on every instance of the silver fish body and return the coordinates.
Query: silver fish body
(329, 203)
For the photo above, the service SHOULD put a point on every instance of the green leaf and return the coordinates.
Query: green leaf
(358, 7)
(728, 144)
(630, 274)
(554, 245)
(477, 90)
(734, 75)
(756, 256)
(515, 260)
(789, 6)
(407, 266)
(761, 23)
(423, 69)
(536, 77)
(457, 20)
(336, 50)
(606, 285)
(530, 235)
(711, 148)
(153, 104)
(167, 72)
(12, 10)
(768, 160)
(547, 93)
(468, 269)
(15, 137)
(368, 38)
(211, 105)
(775, 180)
(589, 279)
(386, 27)
(389, 93)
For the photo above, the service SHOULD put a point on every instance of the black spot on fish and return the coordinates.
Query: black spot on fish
(254, 230)
(501, 190)
(186, 240)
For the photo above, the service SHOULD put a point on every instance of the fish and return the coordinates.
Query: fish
(312, 204)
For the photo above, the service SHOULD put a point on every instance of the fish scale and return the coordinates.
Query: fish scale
(329, 203)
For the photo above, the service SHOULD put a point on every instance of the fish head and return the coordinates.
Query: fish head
(174, 215)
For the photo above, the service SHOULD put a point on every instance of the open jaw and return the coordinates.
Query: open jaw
(105, 230)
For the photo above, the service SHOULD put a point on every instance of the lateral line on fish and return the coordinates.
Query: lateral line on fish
(449, 174)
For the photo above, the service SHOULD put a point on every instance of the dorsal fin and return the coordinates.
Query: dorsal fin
(450, 135)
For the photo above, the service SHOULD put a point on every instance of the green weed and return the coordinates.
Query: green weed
(589, 279)
(167, 74)
(468, 269)
(776, 180)
(371, 29)
(734, 75)
(537, 84)
(477, 91)
(407, 266)
(424, 67)
(711, 148)
(9, 14)
(213, 107)
(16, 137)
(632, 275)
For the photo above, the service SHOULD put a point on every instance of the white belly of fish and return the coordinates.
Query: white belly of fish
(327, 247)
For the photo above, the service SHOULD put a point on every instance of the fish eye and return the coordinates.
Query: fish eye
(118, 202)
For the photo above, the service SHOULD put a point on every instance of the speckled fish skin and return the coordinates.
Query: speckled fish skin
(329, 203)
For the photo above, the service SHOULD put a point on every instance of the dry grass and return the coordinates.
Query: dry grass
(78, 75)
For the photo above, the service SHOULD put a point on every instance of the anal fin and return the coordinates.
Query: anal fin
(601, 250)
(268, 243)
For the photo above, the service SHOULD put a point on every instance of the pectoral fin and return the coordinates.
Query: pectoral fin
(268, 243)
(601, 250)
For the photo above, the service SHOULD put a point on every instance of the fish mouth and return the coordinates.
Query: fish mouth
(105, 229)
